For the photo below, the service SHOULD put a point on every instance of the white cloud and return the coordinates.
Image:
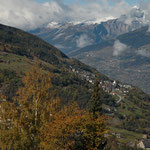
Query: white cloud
(145, 6)
(83, 41)
(135, 14)
(119, 48)
(143, 52)
(28, 14)
(139, 13)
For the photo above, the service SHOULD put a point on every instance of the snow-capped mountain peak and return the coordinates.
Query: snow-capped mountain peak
(53, 25)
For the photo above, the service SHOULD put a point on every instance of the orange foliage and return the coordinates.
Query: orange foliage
(32, 107)
(36, 121)
(73, 127)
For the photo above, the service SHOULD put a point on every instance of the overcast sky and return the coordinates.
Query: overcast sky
(131, 2)
(31, 14)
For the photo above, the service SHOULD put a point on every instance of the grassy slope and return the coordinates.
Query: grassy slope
(19, 51)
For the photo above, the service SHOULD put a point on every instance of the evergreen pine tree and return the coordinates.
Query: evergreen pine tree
(97, 97)
(96, 109)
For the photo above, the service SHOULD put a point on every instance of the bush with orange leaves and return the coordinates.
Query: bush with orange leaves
(73, 128)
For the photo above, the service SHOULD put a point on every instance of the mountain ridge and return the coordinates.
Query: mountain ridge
(69, 37)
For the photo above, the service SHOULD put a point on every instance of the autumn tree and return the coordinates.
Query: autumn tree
(31, 109)
(34, 120)
(72, 129)
(9, 136)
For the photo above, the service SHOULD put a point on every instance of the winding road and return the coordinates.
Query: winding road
(120, 99)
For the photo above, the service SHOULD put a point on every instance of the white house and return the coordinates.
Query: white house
(144, 144)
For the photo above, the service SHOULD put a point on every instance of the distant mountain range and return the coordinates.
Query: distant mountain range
(126, 58)
(95, 44)
(73, 36)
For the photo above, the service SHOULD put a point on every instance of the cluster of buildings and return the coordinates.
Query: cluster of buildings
(110, 86)
(90, 77)
(107, 85)
(144, 143)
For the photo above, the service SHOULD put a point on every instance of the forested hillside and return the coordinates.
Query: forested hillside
(25, 61)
